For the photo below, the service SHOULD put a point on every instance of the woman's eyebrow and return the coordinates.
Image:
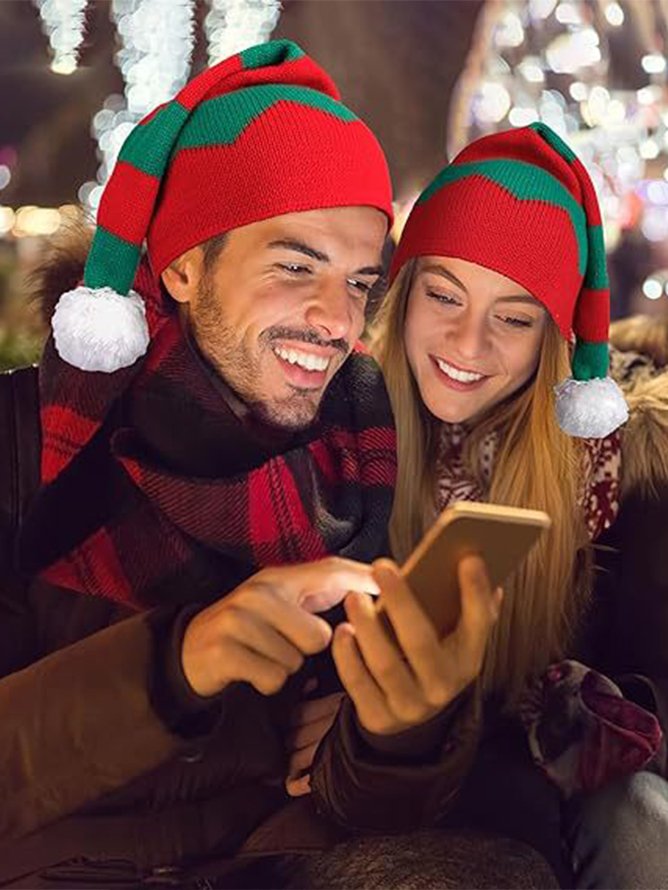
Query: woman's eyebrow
(438, 269)
(521, 298)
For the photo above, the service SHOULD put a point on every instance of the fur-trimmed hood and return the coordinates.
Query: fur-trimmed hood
(645, 435)
(61, 267)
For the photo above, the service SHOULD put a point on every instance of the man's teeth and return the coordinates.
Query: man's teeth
(303, 359)
(456, 374)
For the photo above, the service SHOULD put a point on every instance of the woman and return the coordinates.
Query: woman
(501, 258)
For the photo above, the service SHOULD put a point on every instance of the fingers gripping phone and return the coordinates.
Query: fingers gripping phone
(502, 536)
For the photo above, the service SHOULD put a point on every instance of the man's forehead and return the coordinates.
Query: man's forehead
(362, 228)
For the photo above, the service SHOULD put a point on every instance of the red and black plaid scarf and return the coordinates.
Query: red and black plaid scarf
(158, 489)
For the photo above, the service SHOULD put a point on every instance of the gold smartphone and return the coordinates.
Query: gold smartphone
(502, 536)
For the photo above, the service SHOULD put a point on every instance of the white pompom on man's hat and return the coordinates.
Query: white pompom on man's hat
(258, 135)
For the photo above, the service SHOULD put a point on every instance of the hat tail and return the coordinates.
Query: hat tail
(101, 325)
(590, 405)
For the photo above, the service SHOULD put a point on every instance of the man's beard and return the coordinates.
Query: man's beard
(221, 344)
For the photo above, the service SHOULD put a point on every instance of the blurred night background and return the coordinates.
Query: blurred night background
(427, 75)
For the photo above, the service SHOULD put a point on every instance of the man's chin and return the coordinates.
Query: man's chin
(287, 415)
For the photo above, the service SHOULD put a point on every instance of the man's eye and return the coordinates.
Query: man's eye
(362, 286)
(294, 268)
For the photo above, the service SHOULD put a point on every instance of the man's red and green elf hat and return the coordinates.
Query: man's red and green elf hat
(521, 203)
(261, 134)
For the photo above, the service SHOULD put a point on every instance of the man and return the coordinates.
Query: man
(218, 456)
(252, 434)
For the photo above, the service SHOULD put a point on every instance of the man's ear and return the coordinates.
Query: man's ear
(183, 275)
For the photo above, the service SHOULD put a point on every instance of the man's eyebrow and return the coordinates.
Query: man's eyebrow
(371, 270)
(300, 247)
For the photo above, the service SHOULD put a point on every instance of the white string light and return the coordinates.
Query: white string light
(157, 38)
(548, 61)
(156, 47)
(157, 42)
(63, 23)
(233, 25)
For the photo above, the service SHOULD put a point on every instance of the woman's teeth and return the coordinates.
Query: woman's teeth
(303, 359)
(456, 374)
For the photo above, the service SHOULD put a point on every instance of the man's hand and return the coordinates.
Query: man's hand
(311, 722)
(261, 632)
(398, 685)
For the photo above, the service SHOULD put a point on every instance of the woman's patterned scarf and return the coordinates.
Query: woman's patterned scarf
(600, 490)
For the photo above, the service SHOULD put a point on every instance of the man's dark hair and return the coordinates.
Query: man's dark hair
(212, 250)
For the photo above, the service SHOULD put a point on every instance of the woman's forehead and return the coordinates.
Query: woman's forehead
(465, 274)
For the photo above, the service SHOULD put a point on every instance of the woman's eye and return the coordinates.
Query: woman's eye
(443, 298)
(515, 322)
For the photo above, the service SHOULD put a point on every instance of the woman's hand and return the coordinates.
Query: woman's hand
(397, 685)
(311, 722)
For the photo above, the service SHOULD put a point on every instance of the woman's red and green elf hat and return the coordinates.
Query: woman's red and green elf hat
(261, 134)
(521, 202)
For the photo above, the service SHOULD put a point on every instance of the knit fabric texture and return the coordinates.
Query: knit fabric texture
(259, 135)
(521, 203)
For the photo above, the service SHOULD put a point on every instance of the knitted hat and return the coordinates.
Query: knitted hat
(521, 203)
(259, 135)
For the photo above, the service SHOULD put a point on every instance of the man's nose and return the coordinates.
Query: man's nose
(329, 312)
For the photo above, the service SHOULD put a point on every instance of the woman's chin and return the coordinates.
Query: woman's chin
(452, 413)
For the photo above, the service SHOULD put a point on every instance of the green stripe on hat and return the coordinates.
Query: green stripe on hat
(267, 54)
(525, 181)
(596, 277)
(221, 120)
(112, 262)
(590, 360)
(149, 146)
(555, 141)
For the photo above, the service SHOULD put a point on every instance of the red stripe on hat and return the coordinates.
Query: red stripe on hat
(592, 315)
(128, 201)
(210, 81)
(525, 145)
(231, 75)
(530, 242)
(291, 158)
(301, 72)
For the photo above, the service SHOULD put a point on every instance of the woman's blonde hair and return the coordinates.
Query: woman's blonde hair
(536, 466)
